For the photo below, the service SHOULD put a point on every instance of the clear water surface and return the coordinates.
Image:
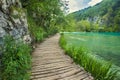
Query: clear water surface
(105, 45)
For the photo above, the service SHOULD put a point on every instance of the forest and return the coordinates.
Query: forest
(103, 17)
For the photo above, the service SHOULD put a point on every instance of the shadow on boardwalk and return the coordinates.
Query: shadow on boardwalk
(50, 63)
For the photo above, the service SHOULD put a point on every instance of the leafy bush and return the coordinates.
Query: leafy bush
(100, 69)
(52, 30)
(15, 60)
(36, 31)
(62, 41)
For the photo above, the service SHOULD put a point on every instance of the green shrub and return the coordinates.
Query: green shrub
(99, 68)
(15, 61)
(36, 31)
(39, 32)
(62, 42)
(52, 30)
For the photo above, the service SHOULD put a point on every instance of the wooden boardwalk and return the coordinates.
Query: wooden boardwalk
(50, 63)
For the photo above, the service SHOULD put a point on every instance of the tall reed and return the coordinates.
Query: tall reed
(99, 68)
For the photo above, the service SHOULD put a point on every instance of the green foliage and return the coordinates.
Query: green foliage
(62, 41)
(45, 13)
(84, 25)
(15, 61)
(24, 3)
(42, 21)
(52, 30)
(100, 9)
(67, 24)
(43, 17)
(100, 69)
(106, 13)
(16, 15)
(36, 31)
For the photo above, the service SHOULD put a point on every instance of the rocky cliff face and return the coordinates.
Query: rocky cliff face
(96, 19)
(13, 21)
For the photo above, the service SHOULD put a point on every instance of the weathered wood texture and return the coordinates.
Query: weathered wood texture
(50, 63)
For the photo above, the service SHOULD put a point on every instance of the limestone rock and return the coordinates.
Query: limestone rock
(27, 39)
(13, 21)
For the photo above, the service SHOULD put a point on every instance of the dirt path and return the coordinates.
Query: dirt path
(50, 63)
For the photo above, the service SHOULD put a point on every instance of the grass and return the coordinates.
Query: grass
(100, 69)
(105, 45)
(15, 60)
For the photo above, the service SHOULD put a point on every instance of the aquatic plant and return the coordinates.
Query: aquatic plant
(99, 68)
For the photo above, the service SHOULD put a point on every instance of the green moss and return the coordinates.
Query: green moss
(19, 10)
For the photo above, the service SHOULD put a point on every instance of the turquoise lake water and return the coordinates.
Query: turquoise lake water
(105, 45)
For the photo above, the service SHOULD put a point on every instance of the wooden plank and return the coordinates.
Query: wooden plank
(50, 63)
